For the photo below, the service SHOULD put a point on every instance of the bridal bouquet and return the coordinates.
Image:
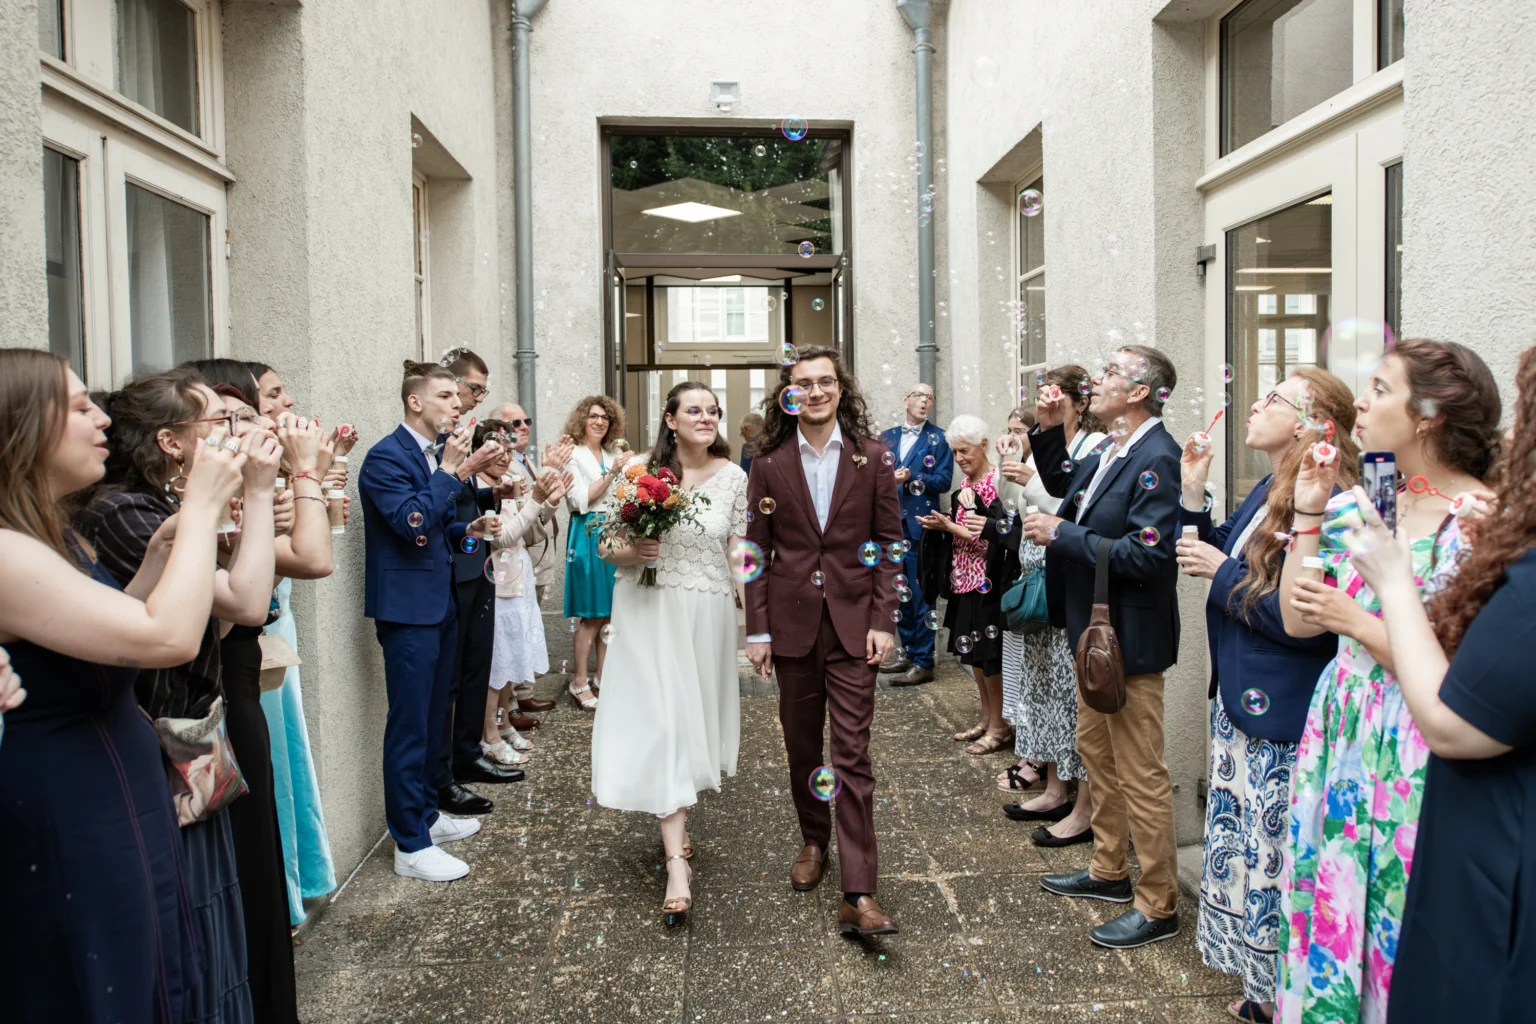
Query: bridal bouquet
(648, 503)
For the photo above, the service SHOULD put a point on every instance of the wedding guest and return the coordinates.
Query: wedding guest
(97, 922)
(1119, 517)
(1464, 672)
(595, 423)
(751, 427)
(924, 468)
(670, 725)
(967, 559)
(1038, 668)
(157, 423)
(1360, 763)
(1261, 678)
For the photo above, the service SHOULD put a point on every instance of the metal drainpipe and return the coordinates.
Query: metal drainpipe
(522, 198)
(919, 17)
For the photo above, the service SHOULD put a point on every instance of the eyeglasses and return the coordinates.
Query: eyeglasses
(1274, 395)
(230, 420)
(600, 416)
(476, 391)
(826, 384)
(920, 394)
(515, 424)
(697, 411)
(1110, 368)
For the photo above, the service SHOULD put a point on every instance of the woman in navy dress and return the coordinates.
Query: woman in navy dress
(92, 892)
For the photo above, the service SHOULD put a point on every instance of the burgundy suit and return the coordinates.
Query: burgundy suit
(820, 633)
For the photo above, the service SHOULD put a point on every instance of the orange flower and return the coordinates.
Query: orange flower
(624, 492)
(634, 471)
(672, 500)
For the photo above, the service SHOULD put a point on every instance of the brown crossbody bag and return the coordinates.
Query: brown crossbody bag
(1100, 667)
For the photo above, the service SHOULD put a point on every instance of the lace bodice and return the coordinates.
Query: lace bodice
(694, 554)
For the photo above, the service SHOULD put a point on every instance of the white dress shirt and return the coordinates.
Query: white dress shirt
(909, 436)
(1108, 457)
(425, 442)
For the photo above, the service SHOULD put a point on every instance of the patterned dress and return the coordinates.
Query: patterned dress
(1040, 689)
(1355, 805)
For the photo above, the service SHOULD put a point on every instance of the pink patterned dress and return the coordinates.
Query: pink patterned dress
(970, 556)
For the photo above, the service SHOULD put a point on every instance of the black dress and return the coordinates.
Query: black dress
(1468, 950)
(95, 923)
(258, 846)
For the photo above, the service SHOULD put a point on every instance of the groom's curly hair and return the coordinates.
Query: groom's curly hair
(852, 413)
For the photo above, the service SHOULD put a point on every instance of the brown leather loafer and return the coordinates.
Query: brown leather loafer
(523, 723)
(805, 872)
(535, 704)
(867, 920)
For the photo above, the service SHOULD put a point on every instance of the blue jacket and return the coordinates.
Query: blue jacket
(407, 582)
(1256, 653)
(936, 478)
(472, 503)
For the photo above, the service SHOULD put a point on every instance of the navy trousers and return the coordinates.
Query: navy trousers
(418, 665)
(463, 720)
(916, 637)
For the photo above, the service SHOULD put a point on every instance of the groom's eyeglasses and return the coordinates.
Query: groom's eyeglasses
(826, 384)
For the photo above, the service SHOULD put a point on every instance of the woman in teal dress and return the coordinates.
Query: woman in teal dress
(597, 427)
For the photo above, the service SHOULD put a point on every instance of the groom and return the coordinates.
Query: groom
(824, 511)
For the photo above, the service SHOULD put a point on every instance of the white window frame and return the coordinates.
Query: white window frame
(118, 142)
(421, 209)
(1022, 275)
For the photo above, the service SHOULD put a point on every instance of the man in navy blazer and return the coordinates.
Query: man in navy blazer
(924, 468)
(1126, 493)
(409, 490)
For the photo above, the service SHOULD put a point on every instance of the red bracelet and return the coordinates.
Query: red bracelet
(307, 474)
(1303, 533)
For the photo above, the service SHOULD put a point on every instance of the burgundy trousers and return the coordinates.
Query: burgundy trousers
(831, 679)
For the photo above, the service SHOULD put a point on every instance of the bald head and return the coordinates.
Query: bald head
(919, 404)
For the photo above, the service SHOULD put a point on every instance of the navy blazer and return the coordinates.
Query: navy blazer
(406, 581)
(1143, 578)
(1254, 652)
(936, 479)
(472, 503)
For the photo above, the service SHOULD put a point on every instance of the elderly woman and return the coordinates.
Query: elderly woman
(969, 556)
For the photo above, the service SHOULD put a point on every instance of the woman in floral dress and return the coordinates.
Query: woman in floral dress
(1360, 764)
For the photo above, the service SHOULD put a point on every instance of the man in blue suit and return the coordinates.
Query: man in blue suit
(924, 468)
(409, 490)
(1121, 504)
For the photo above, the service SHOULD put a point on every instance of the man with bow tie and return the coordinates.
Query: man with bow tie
(923, 467)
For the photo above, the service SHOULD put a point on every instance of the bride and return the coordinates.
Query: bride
(670, 719)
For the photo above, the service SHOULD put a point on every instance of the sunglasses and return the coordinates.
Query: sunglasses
(515, 424)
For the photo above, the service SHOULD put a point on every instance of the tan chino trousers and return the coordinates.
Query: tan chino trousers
(1132, 793)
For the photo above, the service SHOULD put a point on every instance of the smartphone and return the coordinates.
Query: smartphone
(1378, 475)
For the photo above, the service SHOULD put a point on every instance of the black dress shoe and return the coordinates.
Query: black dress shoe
(1132, 929)
(1042, 837)
(914, 676)
(897, 666)
(459, 800)
(483, 769)
(1081, 883)
(1018, 812)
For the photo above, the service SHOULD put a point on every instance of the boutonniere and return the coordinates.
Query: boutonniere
(859, 460)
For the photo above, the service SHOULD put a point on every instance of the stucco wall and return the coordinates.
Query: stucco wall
(23, 293)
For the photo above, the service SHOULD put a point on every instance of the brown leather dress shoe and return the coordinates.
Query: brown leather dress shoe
(867, 920)
(535, 704)
(805, 872)
(523, 723)
(914, 676)
(895, 667)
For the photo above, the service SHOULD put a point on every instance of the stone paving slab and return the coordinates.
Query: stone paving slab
(559, 919)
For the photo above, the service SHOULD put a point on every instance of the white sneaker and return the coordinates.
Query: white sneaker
(430, 865)
(449, 830)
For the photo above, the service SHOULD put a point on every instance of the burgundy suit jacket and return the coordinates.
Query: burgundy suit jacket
(783, 600)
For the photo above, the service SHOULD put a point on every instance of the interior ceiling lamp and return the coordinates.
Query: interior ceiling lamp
(692, 213)
(724, 95)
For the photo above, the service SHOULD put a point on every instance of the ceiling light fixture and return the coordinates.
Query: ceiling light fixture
(691, 213)
(727, 279)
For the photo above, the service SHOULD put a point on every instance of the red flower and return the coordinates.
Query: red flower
(660, 491)
(629, 512)
(648, 481)
(667, 475)
(643, 494)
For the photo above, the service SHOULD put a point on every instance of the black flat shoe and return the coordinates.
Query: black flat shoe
(1019, 813)
(1042, 837)
(459, 800)
(1082, 884)
(1132, 929)
(483, 769)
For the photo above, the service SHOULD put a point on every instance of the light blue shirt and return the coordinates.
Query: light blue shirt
(425, 442)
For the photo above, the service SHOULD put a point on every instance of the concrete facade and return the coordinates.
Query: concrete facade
(321, 102)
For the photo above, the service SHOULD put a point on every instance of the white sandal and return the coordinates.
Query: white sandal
(587, 704)
(515, 739)
(502, 753)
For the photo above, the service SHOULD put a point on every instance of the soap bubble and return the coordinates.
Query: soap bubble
(928, 461)
(766, 506)
(915, 486)
(498, 568)
(1150, 536)
(606, 634)
(818, 304)
(414, 520)
(900, 581)
(792, 399)
(1011, 506)
(991, 632)
(984, 586)
(1077, 499)
(1005, 526)
(421, 540)
(1163, 393)
(788, 356)
(1085, 387)
(904, 594)
(572, 623)
(469, 545)
(933, 620)
(794, 128)
(760, 150)
(1255, 702)
(746, 560)
(1031, 202)
(770, 303)
(897, 551)
(415, 140)
(963, 644)
(1066, 465)
(925, 202)
(1226, 372)
(806, 250)
(818, 578)
(825, 784)
(1147, 480)
(888, 459)
(869, 553)
(895, 616)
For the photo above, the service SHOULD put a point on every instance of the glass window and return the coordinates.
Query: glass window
(50, 27)
(157, 58)
(726, 194)
(1279, 286)
(1031, 273)
(1389, 32)
(169, 286)
(1394, 303)
(61, 219)
(1280, 58)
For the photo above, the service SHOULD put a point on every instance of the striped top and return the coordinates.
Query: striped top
(119, 526)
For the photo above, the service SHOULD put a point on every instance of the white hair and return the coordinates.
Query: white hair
(970, 429)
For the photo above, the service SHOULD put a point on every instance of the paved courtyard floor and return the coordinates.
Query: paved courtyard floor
(559, 918)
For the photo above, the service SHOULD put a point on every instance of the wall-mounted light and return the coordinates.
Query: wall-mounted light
(724, 95)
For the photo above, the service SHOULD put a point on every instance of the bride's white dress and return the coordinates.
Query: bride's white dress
(669, 719)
